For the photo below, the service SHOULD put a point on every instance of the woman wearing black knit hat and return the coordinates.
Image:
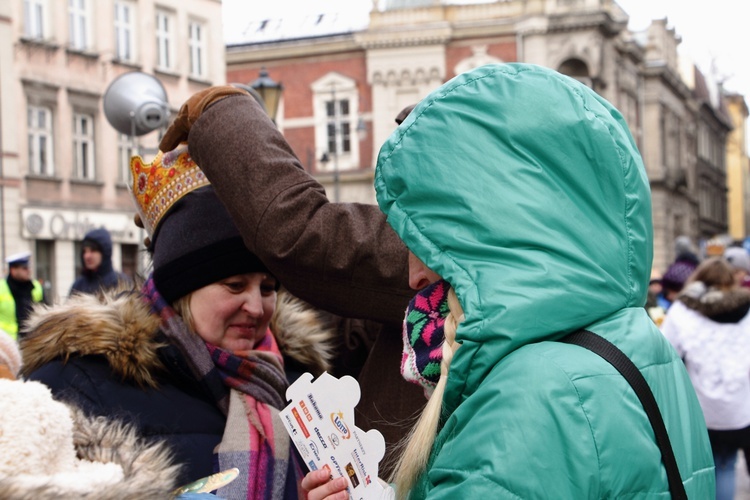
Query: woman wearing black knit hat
(195, 358)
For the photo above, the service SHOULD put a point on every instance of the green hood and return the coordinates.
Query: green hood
(525, 190)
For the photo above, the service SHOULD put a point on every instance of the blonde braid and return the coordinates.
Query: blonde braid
(418, 444)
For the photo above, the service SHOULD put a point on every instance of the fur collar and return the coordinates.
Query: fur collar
(121, 327)
(721, 306)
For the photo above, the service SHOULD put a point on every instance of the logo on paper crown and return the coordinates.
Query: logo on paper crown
(160, 184)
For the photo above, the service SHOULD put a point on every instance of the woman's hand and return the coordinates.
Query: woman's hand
(319, 486)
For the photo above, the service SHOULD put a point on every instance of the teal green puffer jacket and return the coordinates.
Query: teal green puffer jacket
(524, 190)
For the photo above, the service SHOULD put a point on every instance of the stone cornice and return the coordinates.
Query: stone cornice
(630, 49)
(485, 29)
(453, 14)
(586, 20)
(289, 49)
(433, 34)
(38, 84)
(659, 69)
(414, 76)
(716, 114)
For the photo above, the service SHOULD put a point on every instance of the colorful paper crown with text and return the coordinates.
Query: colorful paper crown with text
(160, 184)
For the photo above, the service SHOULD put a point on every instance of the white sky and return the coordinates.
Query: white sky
(710, 31)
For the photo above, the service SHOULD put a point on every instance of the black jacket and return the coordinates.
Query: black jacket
(176, 411)
(110, 359)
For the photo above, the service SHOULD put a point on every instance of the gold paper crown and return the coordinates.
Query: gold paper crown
(160, 184)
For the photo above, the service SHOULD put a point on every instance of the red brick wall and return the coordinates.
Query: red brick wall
(502, 48)
(296, 75)
(302, 141)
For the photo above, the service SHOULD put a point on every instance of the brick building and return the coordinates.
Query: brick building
(406, 48)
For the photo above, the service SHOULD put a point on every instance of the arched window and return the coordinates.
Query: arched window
(575, 68)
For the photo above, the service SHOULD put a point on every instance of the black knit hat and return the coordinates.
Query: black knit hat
(196, 244)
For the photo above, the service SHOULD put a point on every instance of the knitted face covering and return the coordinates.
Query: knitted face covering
(423, 336)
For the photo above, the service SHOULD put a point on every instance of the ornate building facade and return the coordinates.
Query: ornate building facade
(64, 168)
(343, 89)
(738, 169)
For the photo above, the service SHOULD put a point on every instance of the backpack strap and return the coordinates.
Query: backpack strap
(607, 350)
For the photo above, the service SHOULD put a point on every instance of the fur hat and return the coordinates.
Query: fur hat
(194, 241)
(53, 450)
(36, 436)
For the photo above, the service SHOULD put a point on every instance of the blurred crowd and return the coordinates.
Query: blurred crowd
(701, 303)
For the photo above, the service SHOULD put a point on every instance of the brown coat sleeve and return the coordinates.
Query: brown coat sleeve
(342, 257)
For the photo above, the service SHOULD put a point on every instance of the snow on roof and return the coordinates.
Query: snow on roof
(295, 27)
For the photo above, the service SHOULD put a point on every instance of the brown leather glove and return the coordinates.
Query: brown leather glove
(191, 111)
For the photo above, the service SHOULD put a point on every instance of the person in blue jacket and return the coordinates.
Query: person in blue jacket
(96, 260)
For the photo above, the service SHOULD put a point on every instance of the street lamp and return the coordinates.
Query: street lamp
(361, 129)
(269, 90)
(324, 160)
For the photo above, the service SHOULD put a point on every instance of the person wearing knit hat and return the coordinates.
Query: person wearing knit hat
(197, 357)
(677, 274)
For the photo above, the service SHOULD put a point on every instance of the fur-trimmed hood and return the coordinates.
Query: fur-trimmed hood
(54, 451)
(721, 306)
(121, 327)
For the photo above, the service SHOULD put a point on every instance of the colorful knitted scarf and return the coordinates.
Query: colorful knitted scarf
(423, 336)
(249, 387)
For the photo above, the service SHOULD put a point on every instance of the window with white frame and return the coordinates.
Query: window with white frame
(78, 24)
(336, 106)
(125, 151)
(83, 146)
(124, 31)
(338, 127)
(165, 28)
(39, 122)
(35, 18)
(197, 43)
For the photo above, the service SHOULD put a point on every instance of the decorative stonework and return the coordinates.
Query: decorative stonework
(406, 77)
(478, 58)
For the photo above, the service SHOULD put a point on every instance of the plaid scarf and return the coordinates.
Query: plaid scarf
(249, 388)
